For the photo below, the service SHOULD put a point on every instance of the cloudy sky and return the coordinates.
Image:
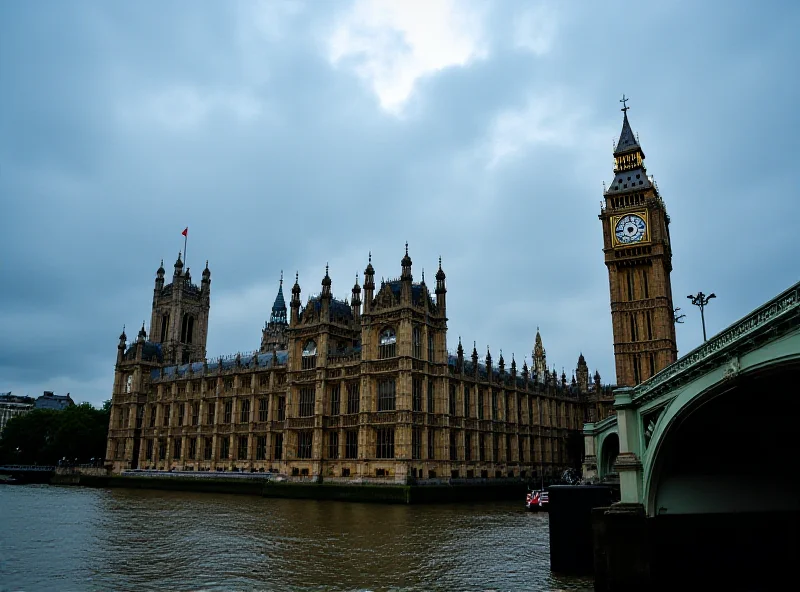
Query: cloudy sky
(291, 134)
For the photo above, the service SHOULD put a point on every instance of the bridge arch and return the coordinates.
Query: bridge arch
(726, 446)
(609, 450)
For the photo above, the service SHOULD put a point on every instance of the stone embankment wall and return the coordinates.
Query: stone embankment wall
(267, 485)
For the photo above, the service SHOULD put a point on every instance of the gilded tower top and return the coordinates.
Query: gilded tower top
(628, 153)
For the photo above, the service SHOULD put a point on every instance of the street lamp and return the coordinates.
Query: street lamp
(702, 300)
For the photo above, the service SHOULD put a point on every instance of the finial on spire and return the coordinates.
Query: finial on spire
(406, 247)
(624, 100)
(370, 257)
(281, 277)
(440, 261)
(423, 275)
(326, 269)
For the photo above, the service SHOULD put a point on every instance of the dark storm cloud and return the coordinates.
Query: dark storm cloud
(288, 135)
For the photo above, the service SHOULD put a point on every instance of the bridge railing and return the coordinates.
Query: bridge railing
(771, 312)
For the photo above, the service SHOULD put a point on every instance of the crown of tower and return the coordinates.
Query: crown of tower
(279, 306)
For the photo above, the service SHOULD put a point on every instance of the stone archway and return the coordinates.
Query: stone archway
(609, 451)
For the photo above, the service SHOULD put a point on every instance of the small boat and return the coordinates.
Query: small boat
(537, 500)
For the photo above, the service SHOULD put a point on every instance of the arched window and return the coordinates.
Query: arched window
(416, 342)
(387, 344)
(309, 355)
(164, 327)
(129, 383)
(187, 328)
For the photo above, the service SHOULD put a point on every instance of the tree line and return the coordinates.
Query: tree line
(45, 436)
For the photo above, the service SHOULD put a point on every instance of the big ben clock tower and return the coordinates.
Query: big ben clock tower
(639, 260)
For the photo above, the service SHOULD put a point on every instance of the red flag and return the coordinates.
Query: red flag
(185, 231)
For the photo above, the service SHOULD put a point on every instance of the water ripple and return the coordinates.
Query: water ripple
(81, 539)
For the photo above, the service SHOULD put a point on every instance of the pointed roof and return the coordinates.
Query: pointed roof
(280, 303)
(627, 140)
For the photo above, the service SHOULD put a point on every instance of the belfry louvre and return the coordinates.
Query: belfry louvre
(341, 391)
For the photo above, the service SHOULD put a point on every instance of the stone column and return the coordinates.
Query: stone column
(628, 465)
(589, 468)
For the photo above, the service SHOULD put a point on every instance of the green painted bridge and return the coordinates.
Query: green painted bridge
(715, 432)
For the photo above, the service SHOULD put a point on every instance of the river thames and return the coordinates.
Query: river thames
(72, 538)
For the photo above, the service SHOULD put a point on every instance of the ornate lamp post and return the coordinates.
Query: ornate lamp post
(702, 300)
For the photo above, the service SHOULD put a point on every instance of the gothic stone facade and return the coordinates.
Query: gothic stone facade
(354, 393)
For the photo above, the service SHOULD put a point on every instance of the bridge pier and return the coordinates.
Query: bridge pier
(622, 549)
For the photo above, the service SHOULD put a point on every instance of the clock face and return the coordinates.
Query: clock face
(630, 229)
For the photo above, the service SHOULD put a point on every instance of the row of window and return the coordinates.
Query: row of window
(384, 446)
(243, 415)
(387, 397)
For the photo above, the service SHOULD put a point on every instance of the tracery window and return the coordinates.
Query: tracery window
(386, 395)
(333, 445)
(416, 342)
(304, 441)
(309, 357)
(416, 394)
(351, 444)
(353, 396)
(262, 409)
(225, 448)
(335, 399)
(244, 411)
(416, 443)
(385, 443)
(387, 344)
(306, 402)
(261, 448)
(242, 452)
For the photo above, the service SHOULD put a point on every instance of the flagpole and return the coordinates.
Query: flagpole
(185, 240)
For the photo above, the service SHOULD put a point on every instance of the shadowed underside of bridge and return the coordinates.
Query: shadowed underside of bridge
(705, 452)
(724, 488)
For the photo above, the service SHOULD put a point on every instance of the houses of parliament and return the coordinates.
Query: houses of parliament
(365, 389)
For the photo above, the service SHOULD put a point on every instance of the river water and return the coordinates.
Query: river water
(73, 538)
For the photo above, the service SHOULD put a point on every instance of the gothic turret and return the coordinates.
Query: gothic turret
(273, 336)
(355, 301)
(295, 302)
(369, 285)
(582, 375)
(405, 263)
(123, 340)
(206, 281)
(539, 364)
(178, 266)
(441, 290)
(160, 277)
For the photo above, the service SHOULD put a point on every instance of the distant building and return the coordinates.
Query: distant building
(12, 406)
(51, 401)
